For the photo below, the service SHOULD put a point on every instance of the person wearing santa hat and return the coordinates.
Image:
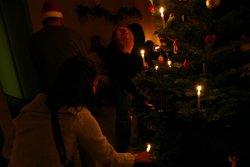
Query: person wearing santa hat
(53, 44)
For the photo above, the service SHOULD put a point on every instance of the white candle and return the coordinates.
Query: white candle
(152, 2)
(156, 67)
(169, 63)
(156, 48)
(162, 17)
(198, 97)
(143, 58)
(148, 147)
(142, 53)
(204, 67)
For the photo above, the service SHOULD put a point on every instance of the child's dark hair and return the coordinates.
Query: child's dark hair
(73, 85)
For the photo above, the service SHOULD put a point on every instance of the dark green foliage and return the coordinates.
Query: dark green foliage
(181, 135)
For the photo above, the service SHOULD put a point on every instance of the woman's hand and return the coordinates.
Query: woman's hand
(143, 157)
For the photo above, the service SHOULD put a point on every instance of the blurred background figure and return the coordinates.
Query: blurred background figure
(98, 48)
(53, 44)
(150, 53)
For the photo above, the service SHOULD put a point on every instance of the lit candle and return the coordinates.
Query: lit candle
(156, 67)
(169, 63)
(142, 53)
(162, 17)
(148, 147)
(156, 48)
(204, 67)
(143, 58)
(198, 97)
(152, 2)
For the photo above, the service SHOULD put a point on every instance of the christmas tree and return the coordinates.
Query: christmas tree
(199, 85)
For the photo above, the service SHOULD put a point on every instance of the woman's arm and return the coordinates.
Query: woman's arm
(92, 140)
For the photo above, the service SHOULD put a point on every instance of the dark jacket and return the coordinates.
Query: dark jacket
(122, 68)
(50, 47)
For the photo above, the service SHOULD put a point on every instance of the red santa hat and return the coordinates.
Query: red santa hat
(50, 9)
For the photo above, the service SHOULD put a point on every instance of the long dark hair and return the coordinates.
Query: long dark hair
(73, 85)
(139, 35)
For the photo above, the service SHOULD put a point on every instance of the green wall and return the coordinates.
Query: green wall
(8, 75)
(18, 31)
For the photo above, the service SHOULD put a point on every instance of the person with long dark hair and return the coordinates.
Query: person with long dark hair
(71, 99)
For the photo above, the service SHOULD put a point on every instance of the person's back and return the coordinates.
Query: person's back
(50, 48)
(53, 44)
(34, 144)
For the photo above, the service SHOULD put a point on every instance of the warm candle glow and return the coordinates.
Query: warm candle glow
(156, 67)
(169, 63)
(156, 48)
(161, 11)
(199, 90)
(148, 147)
(204, 67)
(198, 97)
(143, 59)
(142, 53)
(162, 17)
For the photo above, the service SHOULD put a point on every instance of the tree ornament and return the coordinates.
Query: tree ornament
(161, 59)
(124, 39)
(211, 4)
(152, 9)
(210, 38)
(186, 64)
(175, 46)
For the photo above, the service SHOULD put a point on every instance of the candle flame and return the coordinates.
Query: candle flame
(156, 48)
(198, 89)
(156, 67)
(148, 147)
(142, 53)
(161, 11)
(169, 63)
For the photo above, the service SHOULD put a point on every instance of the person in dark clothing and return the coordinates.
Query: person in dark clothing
(139, 36)
(123, 63)
(139, 44)
(150, 53)
(98, 48)
(120, 69)
(53, 44)
(32, 143)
